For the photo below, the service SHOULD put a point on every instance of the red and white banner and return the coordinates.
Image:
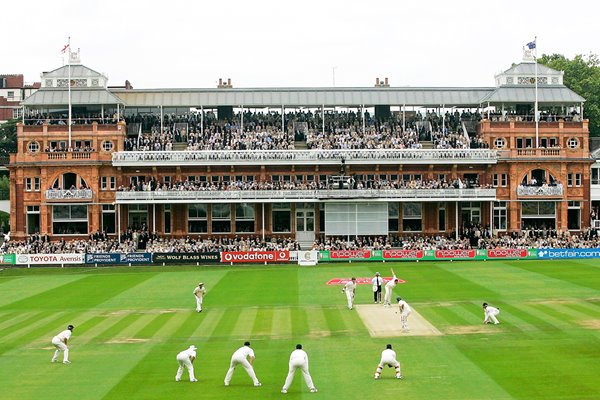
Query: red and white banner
(507, 253)
(254, 256)
(458, 253)
(359, 281)
(347, 254)
(54, 259)
(400, 254)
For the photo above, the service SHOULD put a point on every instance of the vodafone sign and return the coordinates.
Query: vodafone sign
(254, 256)
(507, 253)
(400, 254)
(346, 254)
(458, 253)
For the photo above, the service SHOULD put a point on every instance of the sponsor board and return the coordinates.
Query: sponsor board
(350, 254)
(254, 256)
(507, 253)
(308, 257)
(50, 259)
(548, 254)
(204, 258)
(7, 259)
(454, 253)
(359, 281)
(118, 258)
(400, 254)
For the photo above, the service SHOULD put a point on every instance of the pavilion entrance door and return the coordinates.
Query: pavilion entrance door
(305, 226)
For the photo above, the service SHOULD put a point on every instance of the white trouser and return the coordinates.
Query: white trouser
(389, 361)
(184, 361)
(404, 319)
(387, 298)
(350, 297)
(198, 303)
(60, 346)
(491, 315)
(247, 366)
(303, 365)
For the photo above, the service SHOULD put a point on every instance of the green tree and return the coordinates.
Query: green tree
(582, 75)
(8, 137)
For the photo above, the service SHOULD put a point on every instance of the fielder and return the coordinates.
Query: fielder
(60, 342)
(245, 356)
(298, 359)
(388, 357)
(186, 359)
(199, 293)
(377, 281)
(490, 314)
(405, 311)
(389, 289)
(350, 290)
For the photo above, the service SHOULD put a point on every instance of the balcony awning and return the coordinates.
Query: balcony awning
(60, 97)
(526, 94)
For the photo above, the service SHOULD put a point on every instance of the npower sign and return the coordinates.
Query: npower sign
(507, 253)
(50, 259)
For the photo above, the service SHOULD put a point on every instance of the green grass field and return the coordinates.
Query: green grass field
(546, 347)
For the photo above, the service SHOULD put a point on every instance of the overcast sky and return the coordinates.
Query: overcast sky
(185, 44)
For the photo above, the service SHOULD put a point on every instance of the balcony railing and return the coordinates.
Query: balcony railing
(305, 195)
(549, 191)
(295, 157)
(74, 194)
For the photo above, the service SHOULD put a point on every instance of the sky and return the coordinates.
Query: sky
(308, 43)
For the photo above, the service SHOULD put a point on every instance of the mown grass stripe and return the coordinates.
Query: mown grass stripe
(170, 326)
(282, 322)
(131, 330)
(31, 325)
(217, 320)
(317, 323)
(335, 322)
(17, 318)
(586, 307)
(553, 315)
(188, 326)
(245, 322)
(114, 330)
(106, 323)
(154, 326)
(299, 321)
(263, 322)
(525, 318)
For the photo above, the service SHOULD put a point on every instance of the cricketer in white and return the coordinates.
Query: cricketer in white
(186, 359)
(388, 357)
(298, 359)
(350, 290)
(60, 342)
(490, 314)
(199, 293)
(245, 356)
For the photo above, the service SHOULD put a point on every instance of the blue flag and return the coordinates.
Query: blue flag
(531, 45)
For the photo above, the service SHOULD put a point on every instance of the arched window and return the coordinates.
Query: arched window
(68, 181)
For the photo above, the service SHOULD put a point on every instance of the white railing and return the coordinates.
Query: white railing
(304, 195)
(78, 194)
(540, 190)
(288, 157)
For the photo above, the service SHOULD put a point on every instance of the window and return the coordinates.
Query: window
(221, 218)
(113, 183)
(470, 213)
(33, 219)
(500, 216)
(574, 215)
(137, 216)
(28, 184)
(441, 217)
(573, 180)
(33, 147)
(412, 217)
(49, 82)
(393, 216)
(108, 218)
(500, 143)
(500, 180)
(167, 222)
(107, 145)
(442, 177)
(36, 183)
(504, 180)
(17, 113)
(104, 183)
(70, 219)
(572, 143)
(197, 218)
(281, 217)
(10, 95)
(595, 176)
(244, 218)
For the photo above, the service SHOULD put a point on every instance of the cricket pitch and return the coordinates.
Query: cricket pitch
(385, 322)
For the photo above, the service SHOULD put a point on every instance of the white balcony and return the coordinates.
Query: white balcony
(294, 196)
(540, 191)
(74, 194)
(310, 157)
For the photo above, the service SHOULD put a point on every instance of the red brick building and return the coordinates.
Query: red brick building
(13, 90)
(520, 175)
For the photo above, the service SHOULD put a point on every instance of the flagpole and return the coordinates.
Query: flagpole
(69, 85)
(537, 122)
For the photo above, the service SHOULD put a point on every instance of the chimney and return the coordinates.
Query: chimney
(228, 82)
(220, 82)
(377, 82)
(386, 82)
